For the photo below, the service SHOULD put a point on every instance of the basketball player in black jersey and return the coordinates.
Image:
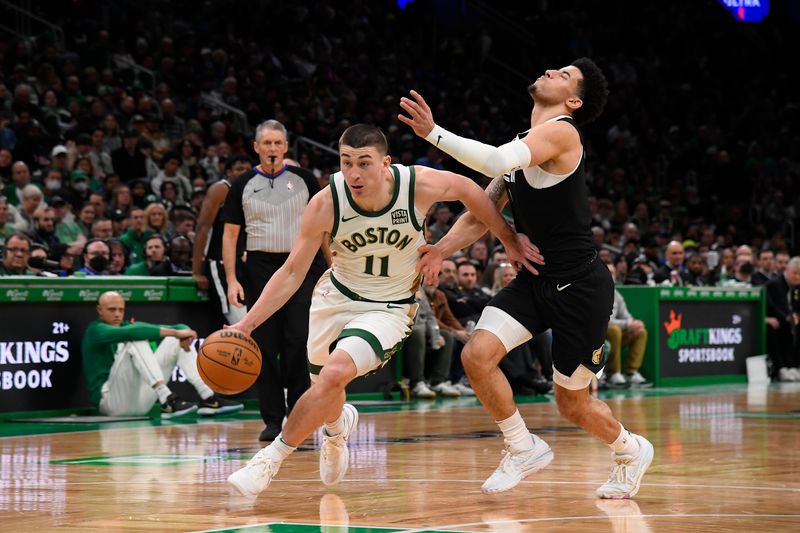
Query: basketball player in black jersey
(541, 173)
(207, 268)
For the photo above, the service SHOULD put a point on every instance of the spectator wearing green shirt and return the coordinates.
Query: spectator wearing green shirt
(135, 236)
(126, 377)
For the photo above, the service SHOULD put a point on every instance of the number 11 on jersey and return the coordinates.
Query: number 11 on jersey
(384, 266)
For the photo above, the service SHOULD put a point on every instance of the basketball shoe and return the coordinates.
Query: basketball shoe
(256, 475)
(334, 456)
(174, 406)
(516, 466)
(627, 472)
(217, 406)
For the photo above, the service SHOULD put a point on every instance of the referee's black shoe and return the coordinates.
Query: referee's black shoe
(217, 406)
(174, 406)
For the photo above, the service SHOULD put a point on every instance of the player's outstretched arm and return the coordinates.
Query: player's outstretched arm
(543, 143)
(317, 219)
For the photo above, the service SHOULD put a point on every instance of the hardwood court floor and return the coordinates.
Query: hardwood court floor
(727, 459)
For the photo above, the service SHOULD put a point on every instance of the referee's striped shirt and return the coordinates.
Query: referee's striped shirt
(270, 207)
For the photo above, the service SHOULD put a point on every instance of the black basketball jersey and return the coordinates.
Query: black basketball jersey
(214, 242)
(553, 211)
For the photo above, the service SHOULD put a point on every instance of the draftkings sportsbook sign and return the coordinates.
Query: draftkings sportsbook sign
(699, 338)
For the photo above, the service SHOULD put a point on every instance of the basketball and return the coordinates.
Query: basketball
(229, 361)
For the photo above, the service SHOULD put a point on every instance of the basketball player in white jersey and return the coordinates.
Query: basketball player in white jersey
(363, 306)
(541, 173)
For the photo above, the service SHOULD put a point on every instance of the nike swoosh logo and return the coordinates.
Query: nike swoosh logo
(560, 288)
(351, 218)
(258, 190)
(437, 140)
(390, 306)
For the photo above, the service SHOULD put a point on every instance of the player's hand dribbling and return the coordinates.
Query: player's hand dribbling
(430, 263)
(235, 293)
(421, 117)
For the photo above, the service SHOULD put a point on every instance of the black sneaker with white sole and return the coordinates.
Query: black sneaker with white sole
(217, 406)
(174, 406)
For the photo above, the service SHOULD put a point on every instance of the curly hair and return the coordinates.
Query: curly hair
(592, 89)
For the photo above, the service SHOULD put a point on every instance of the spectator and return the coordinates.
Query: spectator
(126, 377)
(54, 184)
(442, 221)
(171, 162)
(697, 274)
(127, 160)
(20, 178)
(102, 228)
(6, 229)
(155, 253)
(120, 257)
(624, 330)
(781, 262)
(428, 347)
(766, 268)
(672, 271)
(96, 258)
(783, 317)
(467, 300)
(44, 227)
(17, 250)
(32, 198)
(155, 216)
(177, 261)
(134, 237)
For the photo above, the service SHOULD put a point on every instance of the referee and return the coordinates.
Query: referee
(268, 201)
(207, 267)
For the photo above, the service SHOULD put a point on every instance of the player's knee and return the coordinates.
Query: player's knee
(474, 359)
(614, 332)
(333, 376)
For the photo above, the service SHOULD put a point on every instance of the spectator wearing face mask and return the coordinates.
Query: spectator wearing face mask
(96, 258)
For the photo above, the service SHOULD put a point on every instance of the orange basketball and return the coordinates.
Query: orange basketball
(229, 361)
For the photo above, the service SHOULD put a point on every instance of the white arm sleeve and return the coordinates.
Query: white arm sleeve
(489, 160)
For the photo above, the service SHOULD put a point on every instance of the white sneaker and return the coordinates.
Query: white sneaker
(617, 379)
(786, 374)
(636, 378)
(464, 389)
(627, 472)
(516, 466)
(445, 388)
(796, 372)
(334, 456)
(256, 475)
(421, 390)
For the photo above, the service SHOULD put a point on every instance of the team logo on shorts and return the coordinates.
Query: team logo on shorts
(399, 216)
(597, 355)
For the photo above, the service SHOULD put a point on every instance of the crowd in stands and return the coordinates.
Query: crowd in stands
(693, 167)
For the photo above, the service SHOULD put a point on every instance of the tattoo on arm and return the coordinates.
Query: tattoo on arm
(496, 189)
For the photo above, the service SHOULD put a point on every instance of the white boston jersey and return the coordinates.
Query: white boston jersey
(375, 252)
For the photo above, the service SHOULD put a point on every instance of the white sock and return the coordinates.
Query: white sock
(163, 393)
(516, 433)
(279, 450)
(205, 392)
(625, 442)
(334, 428)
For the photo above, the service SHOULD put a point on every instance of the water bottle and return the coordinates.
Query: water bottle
(433, 341)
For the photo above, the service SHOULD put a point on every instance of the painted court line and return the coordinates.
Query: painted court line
(604, 516)
(437, 480)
